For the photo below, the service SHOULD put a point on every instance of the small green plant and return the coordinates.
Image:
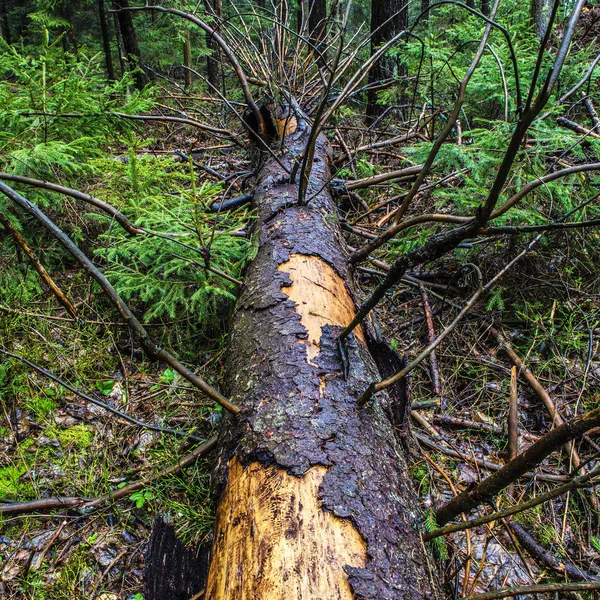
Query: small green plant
(168, 376)
(141, 497)
(439, 543)
(105, 387)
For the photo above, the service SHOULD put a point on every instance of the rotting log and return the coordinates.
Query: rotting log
(314, 498)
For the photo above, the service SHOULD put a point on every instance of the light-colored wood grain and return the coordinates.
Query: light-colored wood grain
(275, 542)
(321, 298)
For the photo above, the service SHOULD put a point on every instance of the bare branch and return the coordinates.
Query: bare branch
(136, 327)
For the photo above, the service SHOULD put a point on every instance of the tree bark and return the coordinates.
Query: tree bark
(130, 43)
(214, 8)
(4, 23)
(388, 19)
(106, 41)
(187, 58)
(540, 15)
(317, 22)
(314, 496)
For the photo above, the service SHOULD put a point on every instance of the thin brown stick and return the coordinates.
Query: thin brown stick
(136, 327)
(513, 417)
(119, 217)
(567, 124)
(38, 266)
(546, 558)
(574, 484)
(481, 462)
(449, 421)
(224, 47)
(435, 374)
(524, 462)
(36, 505)
(536, 386)
(184, 462)
(526, 590)
(86, 504)
(385, 383)
(383, 177)
(591, 111)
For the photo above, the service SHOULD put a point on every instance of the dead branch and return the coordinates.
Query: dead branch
(38, 266)
(546, 558)
(480, 462)
(119, 217)
(526, 590)
(530, 458)
(575, 127)
(99, 403)
(575, 484)
(513, 417)
(136, 327)
(85, 504)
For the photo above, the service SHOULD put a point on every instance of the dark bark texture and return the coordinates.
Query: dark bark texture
(317, 21)
(173, 572)
(298, 414)
(388, 19)
(106, 41)
(130, 43)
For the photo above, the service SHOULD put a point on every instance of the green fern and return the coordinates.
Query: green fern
(439, 544)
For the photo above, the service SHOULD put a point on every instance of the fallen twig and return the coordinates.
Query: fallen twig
(99, 403)
(574, 484)
(516, 468)
(513, 417)
(525, 590)
(546, 558)
(37, 265)
(435, 374)
(480, 462)
(136, 327)
(87, 504)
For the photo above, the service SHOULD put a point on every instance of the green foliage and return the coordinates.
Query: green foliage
(168, 273)
(439, 544)
(78, 437)
(141, 497)
(39, 87)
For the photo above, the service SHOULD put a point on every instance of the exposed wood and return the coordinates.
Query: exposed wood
(321, 298)
(269, 524)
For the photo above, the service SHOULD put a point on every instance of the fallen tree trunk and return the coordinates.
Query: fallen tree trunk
(315, 500)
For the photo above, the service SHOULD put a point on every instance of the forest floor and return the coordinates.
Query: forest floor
(56, 444)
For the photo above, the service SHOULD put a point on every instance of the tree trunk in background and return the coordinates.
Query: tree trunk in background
(315, 500)
(388, 18)
(425, 7)
(215, 8)
(106, 41)
(317, 22)
(540, 14)
(187, 58)
(130, 44)
(485, 7)
(4, 24)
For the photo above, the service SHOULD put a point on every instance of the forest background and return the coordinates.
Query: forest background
(140, 120)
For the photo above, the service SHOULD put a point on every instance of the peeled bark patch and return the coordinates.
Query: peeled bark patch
(269, 524)
(321, 298)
